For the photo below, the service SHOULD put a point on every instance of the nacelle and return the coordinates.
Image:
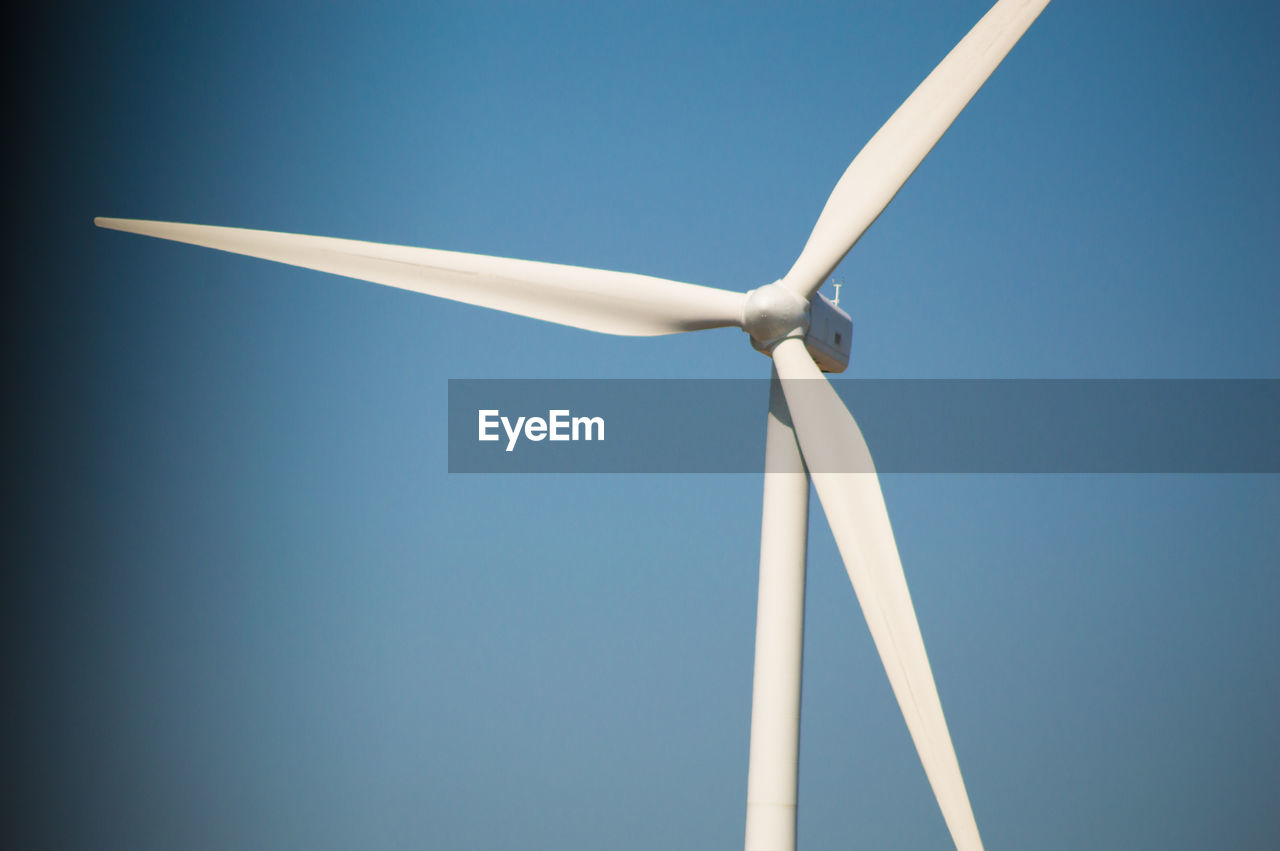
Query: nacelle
(828, 338)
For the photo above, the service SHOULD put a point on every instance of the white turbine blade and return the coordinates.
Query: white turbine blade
(884, 164)
(608, 302)
(832, 444)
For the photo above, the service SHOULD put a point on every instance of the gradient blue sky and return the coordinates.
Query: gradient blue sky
(248, 607)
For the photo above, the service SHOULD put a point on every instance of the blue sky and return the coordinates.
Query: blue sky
(249, 607)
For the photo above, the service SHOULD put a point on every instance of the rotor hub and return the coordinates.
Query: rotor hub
(773, 313)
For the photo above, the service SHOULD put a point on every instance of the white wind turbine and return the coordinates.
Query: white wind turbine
(810, 433)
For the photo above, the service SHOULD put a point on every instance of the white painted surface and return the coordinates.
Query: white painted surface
(855, 509)
(886, 162)
(594, 299)
(775, 697)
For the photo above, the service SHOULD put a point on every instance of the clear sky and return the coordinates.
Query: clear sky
(246, 605)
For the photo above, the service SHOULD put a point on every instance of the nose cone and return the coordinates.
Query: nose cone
(772, 313)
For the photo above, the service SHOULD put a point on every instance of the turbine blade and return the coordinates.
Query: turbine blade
(884, 164)
(608, 302)
(833, 445)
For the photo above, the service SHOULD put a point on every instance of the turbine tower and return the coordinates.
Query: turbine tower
(811, 436)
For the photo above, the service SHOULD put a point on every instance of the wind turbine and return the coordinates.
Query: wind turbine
(811, 436)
